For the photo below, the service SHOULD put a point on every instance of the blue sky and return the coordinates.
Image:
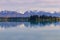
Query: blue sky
(24, 5)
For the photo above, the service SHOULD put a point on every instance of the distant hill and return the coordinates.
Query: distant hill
(10, 14)
(27, 14)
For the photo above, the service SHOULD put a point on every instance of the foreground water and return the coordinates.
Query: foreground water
(29, 31)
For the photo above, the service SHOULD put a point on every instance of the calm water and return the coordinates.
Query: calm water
(29, 31)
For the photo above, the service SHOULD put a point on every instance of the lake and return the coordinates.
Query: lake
(29, 30)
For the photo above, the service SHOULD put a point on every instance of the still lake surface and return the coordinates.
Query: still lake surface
(29, 31)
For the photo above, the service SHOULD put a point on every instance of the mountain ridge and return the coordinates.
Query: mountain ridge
(28, 14)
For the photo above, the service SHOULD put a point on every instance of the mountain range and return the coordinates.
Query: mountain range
(28, 14)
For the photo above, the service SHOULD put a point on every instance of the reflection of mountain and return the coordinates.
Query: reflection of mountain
(27, 24)
(9, 24)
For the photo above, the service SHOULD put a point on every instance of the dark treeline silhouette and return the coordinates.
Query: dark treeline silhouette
(43, 18)
(34, 18)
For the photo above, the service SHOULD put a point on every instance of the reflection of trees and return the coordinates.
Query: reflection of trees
(26, 24)
(40, 24)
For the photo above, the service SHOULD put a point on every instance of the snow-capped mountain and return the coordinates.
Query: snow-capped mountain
(27, 14)
(10, 14)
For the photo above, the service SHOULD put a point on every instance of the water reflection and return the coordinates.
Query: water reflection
(9, 24)
(29, 30)
(28, 24)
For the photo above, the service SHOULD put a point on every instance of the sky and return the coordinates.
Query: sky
(24, 5)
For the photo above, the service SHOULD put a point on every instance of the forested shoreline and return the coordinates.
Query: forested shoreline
(34, 18)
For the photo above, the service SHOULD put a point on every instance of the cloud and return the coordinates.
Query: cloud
(22, 5)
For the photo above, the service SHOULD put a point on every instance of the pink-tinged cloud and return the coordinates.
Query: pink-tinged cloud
(23, 5)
